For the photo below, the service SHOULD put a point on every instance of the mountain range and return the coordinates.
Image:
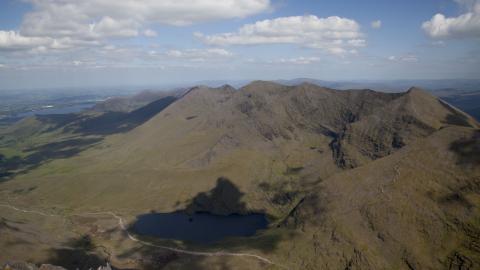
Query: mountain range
(349, 179)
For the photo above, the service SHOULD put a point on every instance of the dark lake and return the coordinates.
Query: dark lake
(199, 228)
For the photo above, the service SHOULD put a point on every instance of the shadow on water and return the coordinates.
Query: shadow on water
(467, 149)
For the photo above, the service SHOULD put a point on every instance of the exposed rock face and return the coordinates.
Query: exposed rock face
(30, 266)
(362, 125)
(351, 179)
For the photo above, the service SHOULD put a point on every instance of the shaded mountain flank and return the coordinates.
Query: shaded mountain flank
(131, 103)
(67, 135)
(351, 179)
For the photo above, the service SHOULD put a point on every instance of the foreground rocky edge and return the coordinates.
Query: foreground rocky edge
(30, 266)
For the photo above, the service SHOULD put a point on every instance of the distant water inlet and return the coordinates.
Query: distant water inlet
(58, 110)
(201, 228)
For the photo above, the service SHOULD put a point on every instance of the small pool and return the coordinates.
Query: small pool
(202, 228)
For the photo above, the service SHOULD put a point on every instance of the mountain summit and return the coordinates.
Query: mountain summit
(352, 179)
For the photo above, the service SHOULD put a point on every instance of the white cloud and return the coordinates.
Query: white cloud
(468, 4)
(109, 47)
(337, 51)
(405, 58)
(150, 33)
(409, 58)
(296, 60)
(466, 25)
(10, 40)
(14, 41)
(438, 43)
(300, 60)
(356, 42)
(334, 34)
(199, 55)
(109, 27)
(71, 17)
(72, 23)
(376, 24)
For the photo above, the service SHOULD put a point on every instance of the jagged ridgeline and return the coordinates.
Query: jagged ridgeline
(352, 179)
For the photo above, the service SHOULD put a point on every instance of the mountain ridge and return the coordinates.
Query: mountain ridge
(350, 178)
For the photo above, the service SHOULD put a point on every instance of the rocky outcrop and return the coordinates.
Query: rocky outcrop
(31, 266)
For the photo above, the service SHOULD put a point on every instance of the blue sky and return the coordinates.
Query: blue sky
(63, 43)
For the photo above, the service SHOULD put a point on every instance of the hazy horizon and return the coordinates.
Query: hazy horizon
(394, 84)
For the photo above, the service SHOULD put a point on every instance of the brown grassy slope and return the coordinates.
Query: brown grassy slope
(362, 179)
(415, 209)
(413, 115)
(251, 135)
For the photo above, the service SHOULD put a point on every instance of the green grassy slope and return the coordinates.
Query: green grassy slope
(349, 179)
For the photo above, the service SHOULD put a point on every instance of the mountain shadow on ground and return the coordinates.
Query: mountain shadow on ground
(118, 122)
(150, 258)
(223, 199)
(56, 150)
(468, 102)
(8, 165)
(85, 125)
(79, 253)
(468, 149)
(38, 155)
(455, 117)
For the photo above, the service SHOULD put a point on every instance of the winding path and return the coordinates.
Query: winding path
(121, 224)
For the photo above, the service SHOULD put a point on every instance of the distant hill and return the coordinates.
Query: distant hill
(446, 85)
(349, 179)
(130, 103)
